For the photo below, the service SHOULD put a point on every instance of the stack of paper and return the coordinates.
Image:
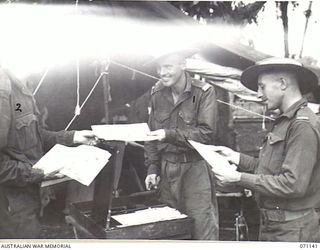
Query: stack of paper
(148, 216)
(123, 132)
(82, 163)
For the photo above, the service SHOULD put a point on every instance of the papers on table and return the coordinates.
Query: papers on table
(148, 216)
(82, 163)
(218, 163)
(123, 132)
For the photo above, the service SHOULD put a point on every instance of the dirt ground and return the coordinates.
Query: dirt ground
(53, 225)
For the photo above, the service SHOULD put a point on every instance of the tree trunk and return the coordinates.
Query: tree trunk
(307, 14)
(284, 18)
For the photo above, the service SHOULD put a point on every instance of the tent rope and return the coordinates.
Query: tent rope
(87, 98)
(249, 111)
(142, 73)
(229, 104)
(134, 70)
(41, 81)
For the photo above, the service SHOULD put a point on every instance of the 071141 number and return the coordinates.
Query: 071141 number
(308, 245)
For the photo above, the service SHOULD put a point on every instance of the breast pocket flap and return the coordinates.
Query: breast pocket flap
(25, 121)
(161, 116)
(275, 138)
(188, 118)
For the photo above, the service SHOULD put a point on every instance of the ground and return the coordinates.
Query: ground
(53, 225)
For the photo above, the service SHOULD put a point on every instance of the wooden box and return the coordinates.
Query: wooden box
(94, 219)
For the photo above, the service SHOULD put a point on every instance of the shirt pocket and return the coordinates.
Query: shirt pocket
(26, 136)
(276, 142)
(187, 118)
(162, 119)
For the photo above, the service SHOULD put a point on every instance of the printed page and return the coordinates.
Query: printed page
(123, 132)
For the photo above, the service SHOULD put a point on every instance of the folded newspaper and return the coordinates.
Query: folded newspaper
(82, 163)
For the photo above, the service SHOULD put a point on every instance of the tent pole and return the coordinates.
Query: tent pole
(106, 90)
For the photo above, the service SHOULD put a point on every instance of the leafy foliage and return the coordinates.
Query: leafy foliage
(233, 12)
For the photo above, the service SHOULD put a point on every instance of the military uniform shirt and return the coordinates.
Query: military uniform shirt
(287, 173)
(192, 117)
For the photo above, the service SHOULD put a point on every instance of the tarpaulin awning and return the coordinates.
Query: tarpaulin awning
(227, 78)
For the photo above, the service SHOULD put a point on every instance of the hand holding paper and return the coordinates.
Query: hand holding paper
(86, 137)
(124, 132)
(159, 134)
(53, 175)
(81, 163)
(228, 153)
(219, 164)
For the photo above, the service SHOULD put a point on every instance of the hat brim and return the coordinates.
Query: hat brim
(185, 53)
(308, 80)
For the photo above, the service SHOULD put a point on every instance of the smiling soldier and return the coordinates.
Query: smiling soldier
(182, 109)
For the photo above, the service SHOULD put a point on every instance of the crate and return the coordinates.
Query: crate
(94, 219)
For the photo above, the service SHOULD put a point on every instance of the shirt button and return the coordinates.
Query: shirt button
(180, 113)
(277, 208)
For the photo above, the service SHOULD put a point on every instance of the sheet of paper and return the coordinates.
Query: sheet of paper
(123, 132)
(86, 164)
(82, 163)
(55, 181)
(55, 159)
(218, 163)
(148, 216)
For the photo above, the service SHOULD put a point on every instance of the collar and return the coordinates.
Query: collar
(292, 110)
(24, 89)
(187, 88)
(188, 83)
(186, 92)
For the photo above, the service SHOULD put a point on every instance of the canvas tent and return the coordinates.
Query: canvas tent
(58, 89)
(58, 92)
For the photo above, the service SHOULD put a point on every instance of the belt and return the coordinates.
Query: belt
(181, 157)
(283, 215)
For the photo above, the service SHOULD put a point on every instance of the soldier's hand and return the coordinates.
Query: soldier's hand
(85, 137)
(159, 134)
(152, 181)
(232, 156)
(228, 176)
(53, 175)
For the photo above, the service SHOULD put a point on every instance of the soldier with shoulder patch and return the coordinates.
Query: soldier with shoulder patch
(183, 109)
(22, 142)
(285, 177)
